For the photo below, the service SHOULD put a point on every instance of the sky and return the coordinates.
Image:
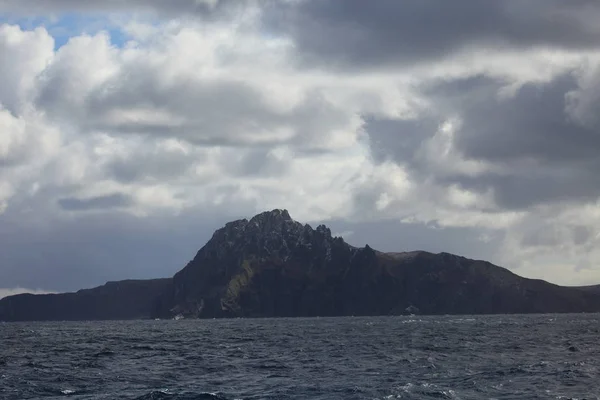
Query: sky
(131, 129)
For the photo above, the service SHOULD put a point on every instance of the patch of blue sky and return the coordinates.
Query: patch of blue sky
(64, 26)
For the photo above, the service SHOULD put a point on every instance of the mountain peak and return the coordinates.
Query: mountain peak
(273, 215)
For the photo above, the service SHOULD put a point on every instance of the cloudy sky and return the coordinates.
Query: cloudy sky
(131, 129)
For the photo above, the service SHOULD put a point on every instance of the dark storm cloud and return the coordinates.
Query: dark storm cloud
(540, 153)
(549, 156)
(532, 124)
(358, 33)
(115, 200)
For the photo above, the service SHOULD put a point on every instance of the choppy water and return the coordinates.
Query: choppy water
(492, 357)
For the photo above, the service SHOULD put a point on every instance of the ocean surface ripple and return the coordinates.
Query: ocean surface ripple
(449, 357)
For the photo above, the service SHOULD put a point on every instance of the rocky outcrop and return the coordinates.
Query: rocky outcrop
(273, 266)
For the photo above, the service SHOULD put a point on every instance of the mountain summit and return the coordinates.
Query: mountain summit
(272, 266)
(247, 260)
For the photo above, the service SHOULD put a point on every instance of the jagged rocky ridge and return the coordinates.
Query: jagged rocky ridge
(272, 266)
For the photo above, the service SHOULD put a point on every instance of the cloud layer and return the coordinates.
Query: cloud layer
(356, 34)
(469, 128)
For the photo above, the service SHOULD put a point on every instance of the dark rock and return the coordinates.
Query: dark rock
(272, 266)
(131, 299)
(275, 266)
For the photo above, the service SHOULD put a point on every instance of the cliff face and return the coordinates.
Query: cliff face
(133, 299)
(273, 266)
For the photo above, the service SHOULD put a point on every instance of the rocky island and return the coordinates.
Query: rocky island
(273, 266)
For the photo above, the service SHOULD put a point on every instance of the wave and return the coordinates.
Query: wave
(165, 394)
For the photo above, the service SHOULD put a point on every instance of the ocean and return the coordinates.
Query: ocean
(445, 357)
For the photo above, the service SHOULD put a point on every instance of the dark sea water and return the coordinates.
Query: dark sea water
(491, 357)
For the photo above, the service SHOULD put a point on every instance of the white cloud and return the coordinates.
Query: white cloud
(221, 116)
(25, 54)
